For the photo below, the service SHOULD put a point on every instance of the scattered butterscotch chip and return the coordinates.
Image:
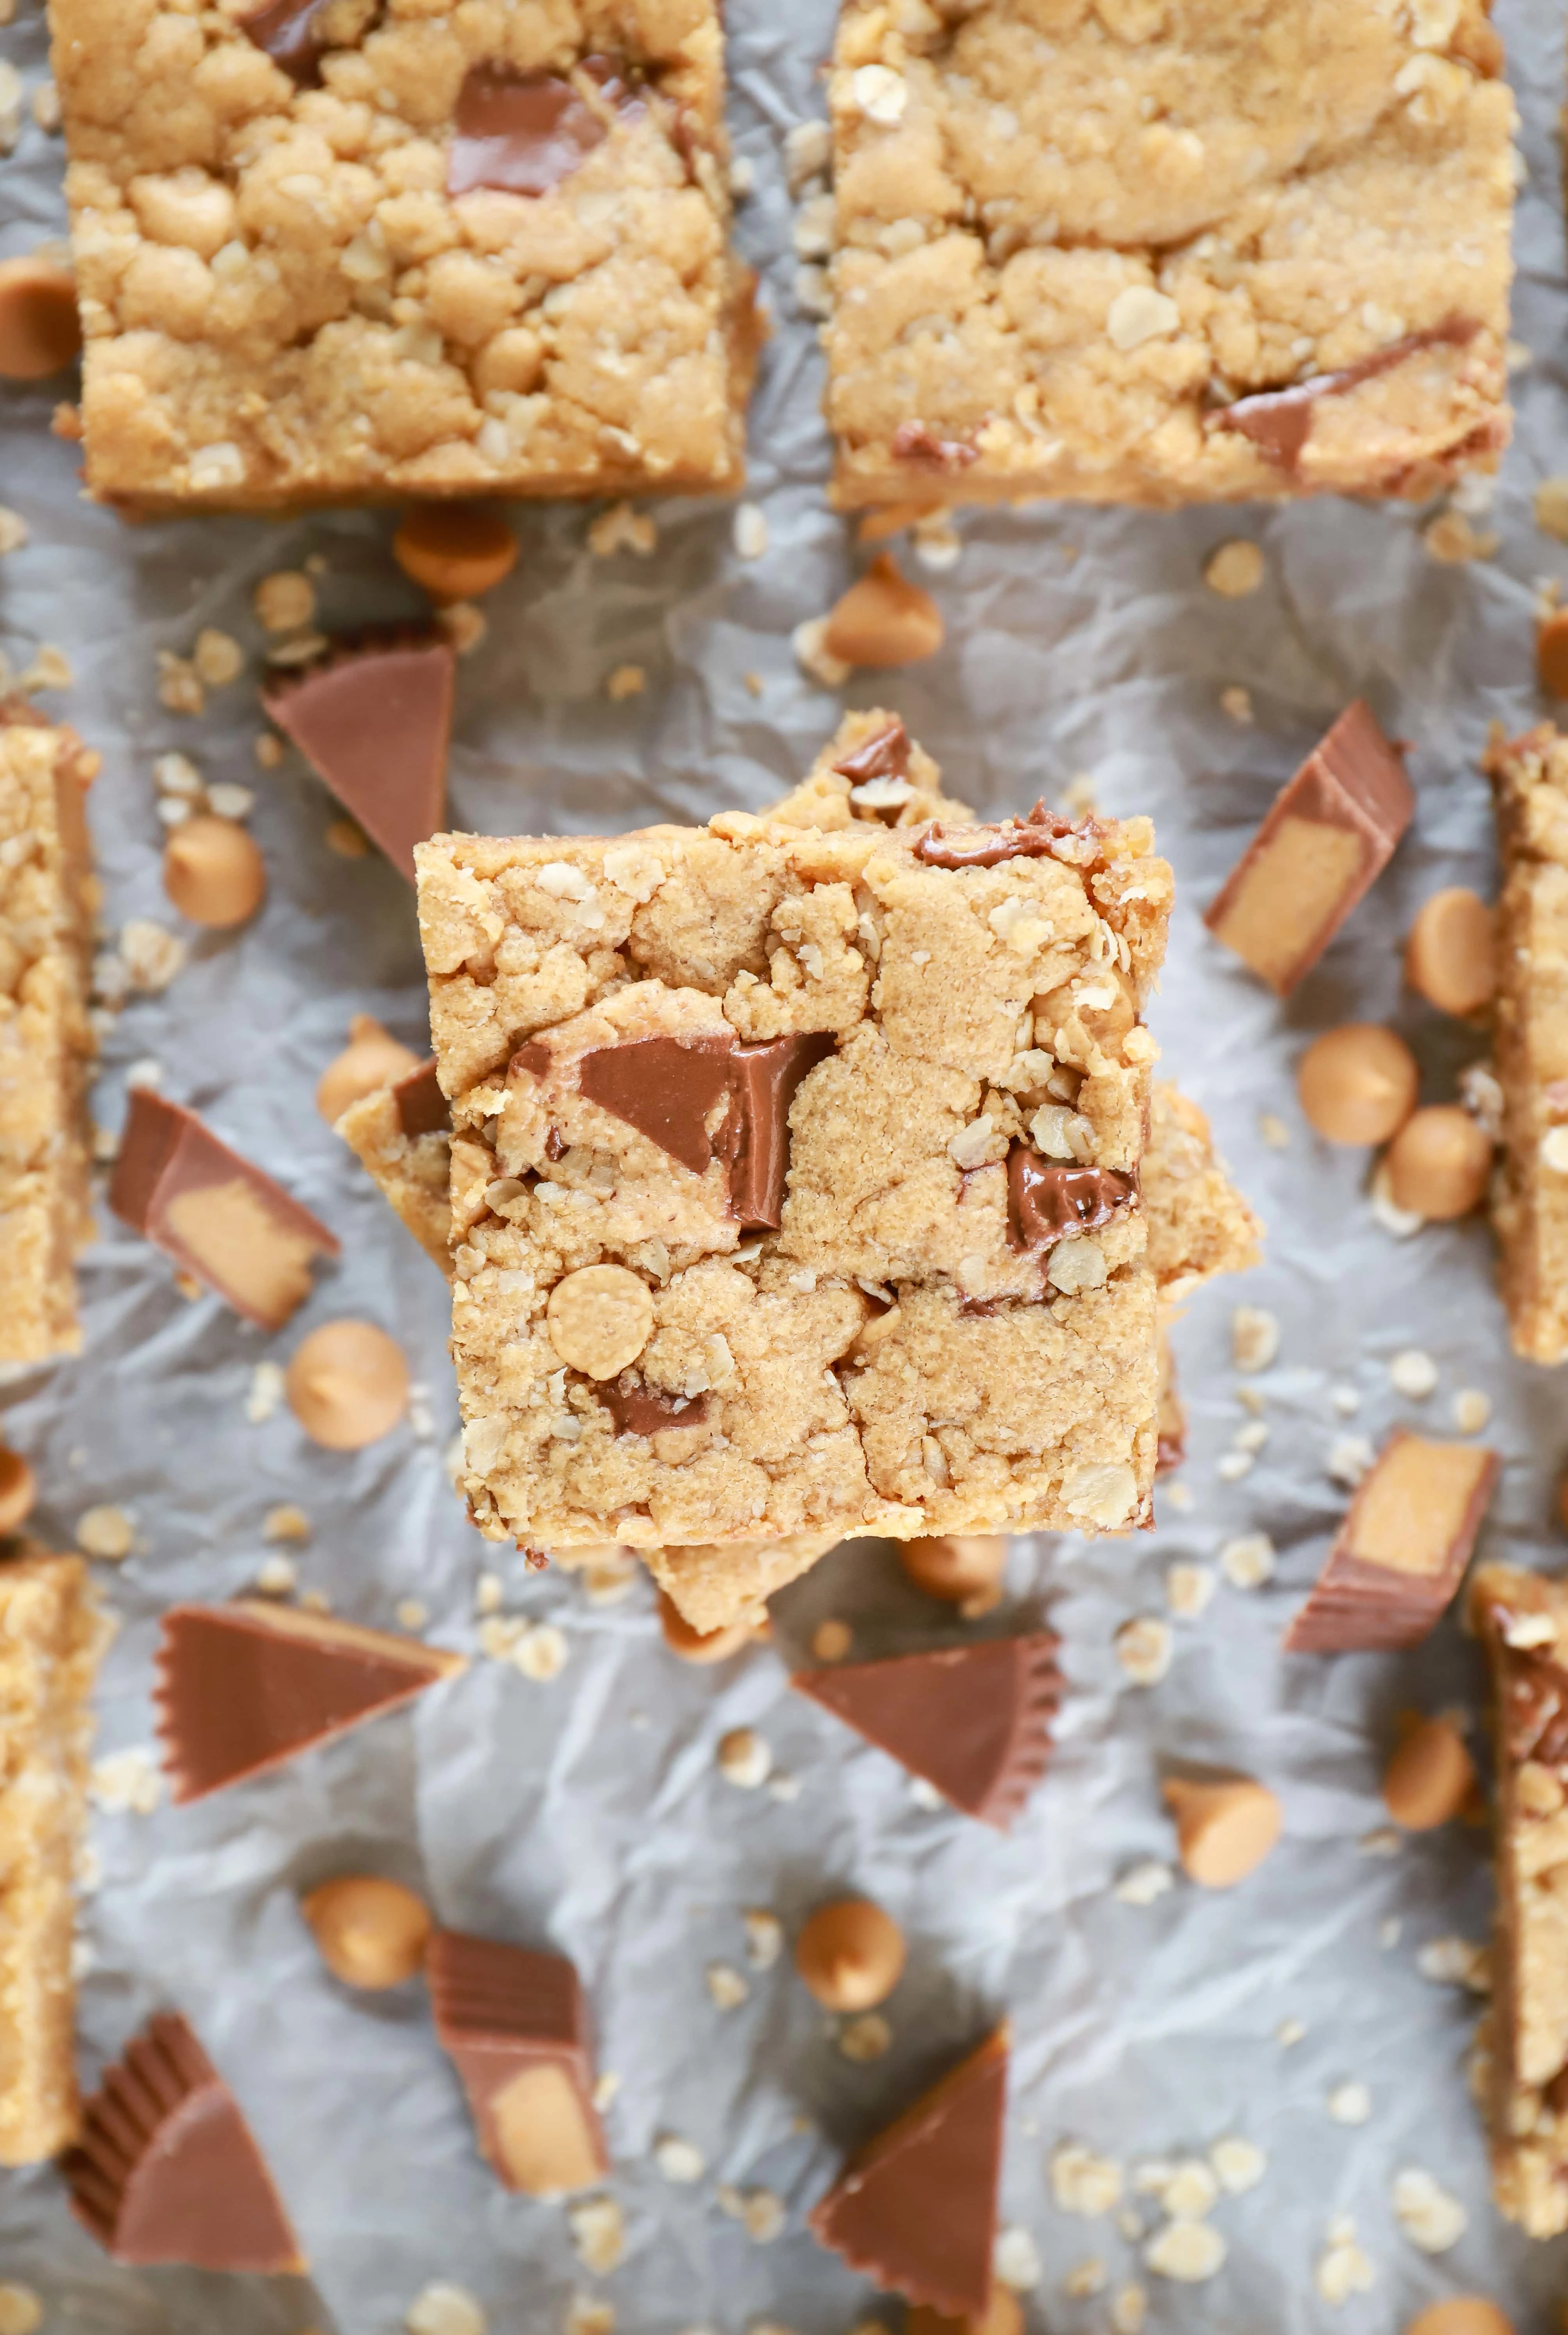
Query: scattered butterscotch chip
(1357, 1084)
(372, 1933)
(348, 1385)
(18, 1491)
(1439, 1163)
(347, 840)
(884, 620)
(1430, 1775)
(40, 329)
(1234, 569)
(1328, 837)
(1552, 654)
(1224, 1829)
(372, 1060)
(455, 550)
(960, 1568)
(213, 872)
(1451, 954)
(850, 1954)
(1461, 2314)
(699, 1645)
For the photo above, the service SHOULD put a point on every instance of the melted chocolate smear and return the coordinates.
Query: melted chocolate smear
(641, 1410)
(764, 1081)
(1278, 421)
(288, 32)
(555, 1146)
(522, 133)
(1047, 1198)
(1028, 838)
(918, 442)
(613, 79)
(884, 756)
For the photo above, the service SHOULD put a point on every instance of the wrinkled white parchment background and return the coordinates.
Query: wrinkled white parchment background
(587, 1813)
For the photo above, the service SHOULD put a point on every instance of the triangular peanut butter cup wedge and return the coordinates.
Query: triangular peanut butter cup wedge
(373, 719)
(975, 1721)
(915, 2209)
(168, 2170)
(243, 1688)
(514, 2026)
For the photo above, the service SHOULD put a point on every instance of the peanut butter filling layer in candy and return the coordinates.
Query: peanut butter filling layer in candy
(48, 899)
(1400, 1554)
(243, 1688)
(334, 255)
(795, 1173)
(514, 2026)
(217, 1217)
(915, 2209)
(50, 1638)
(975, 1721)
(169, 2170)
(1328, 838)
(1522, 1622)
(1083, 252)
(1529, 779)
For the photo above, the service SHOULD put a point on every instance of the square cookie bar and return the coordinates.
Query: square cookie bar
(1166, 251)
(1521, 1620)
(795, 1176)
(51, 1637)
(1529, 779)
(331, 253)
(48, 899)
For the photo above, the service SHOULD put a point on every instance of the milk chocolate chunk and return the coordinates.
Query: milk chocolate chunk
(974, 1720)
(515, 2027)
(1047, 1198)
(642, 1410)
(765, 1080)
(422, 1107)
(1278, 421)
(522, 132)
(243, 1688)
(373, 719)
(1400, 1553)
(918, 442)
(667, 1090)
(168, 2170)
(1331, 833)
(213, 1213)
(290, 33)
(883, 755)
(915, 2210)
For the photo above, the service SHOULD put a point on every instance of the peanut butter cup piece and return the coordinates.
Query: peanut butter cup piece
(373, 719)
(975, 1721)
(514, 2026)
(168, 2170)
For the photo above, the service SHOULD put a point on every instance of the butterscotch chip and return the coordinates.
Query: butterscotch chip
(1461, 2314)
(1430, 1778)
(348, 1385)
(213, 872)
(1357, 1084)
(1451, 954)
(957, 1567)
(1552, 654)
(1439, 1163)
(372, 1933)
(18, 1491)
(850, 1954)
(884, 620)
(455, 550)
(698, 1645)
(40, 330)
(1224, 1830)
(600, 1319)
(372, 1060)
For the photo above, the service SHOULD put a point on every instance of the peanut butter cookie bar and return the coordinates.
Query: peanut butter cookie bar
(329, 253)
(795, 1176)
(1529, 779)
(1166, 251)
(48, 897)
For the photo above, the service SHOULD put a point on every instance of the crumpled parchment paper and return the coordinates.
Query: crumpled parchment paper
(588, 1812)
